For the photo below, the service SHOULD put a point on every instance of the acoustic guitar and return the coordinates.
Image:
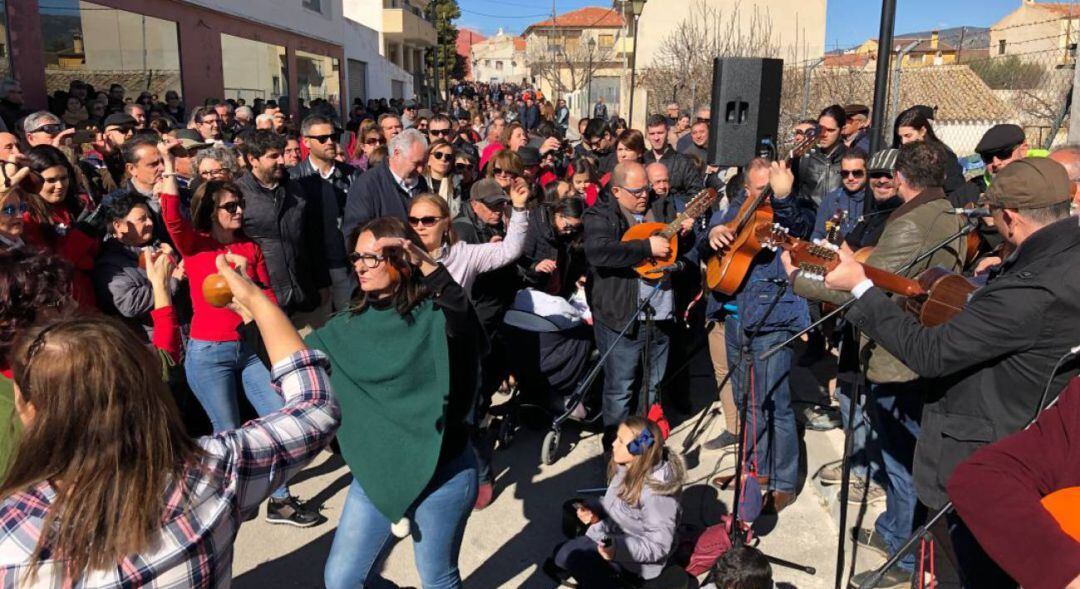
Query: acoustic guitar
(653, 268)
(726, 271)
(934, 297)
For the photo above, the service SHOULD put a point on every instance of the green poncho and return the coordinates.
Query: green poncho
(392, 377)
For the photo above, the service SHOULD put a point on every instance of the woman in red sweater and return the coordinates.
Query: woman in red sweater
(218, 362)
(53, 216)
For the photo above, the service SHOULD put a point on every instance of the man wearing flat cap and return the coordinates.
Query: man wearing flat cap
(1000, 146)
(988, 364)
(854, 131)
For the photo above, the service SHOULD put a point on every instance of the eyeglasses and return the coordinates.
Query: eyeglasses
(320, 138)
(51, 129)
(499, 171)
(857, 174)
(439, 132)
(634, 191)
(210, 122)
(232, 206)
(218, 173)
(374, 141)
(14, 210)
(442, 155)
(881, 176)
(369, 260)
(1004, 153)
(428, 221)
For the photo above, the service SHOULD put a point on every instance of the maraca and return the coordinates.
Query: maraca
(216, 291)
(154, 255)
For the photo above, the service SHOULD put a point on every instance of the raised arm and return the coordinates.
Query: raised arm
(485, 257)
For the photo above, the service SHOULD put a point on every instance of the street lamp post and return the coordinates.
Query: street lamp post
(637, 6)
(588, 88)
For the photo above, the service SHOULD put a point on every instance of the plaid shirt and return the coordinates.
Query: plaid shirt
(194, 547)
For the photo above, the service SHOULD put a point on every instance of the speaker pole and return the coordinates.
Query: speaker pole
(881, 80)
(636, 8)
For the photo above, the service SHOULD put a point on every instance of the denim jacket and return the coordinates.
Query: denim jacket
(757, 293)
(840, 200)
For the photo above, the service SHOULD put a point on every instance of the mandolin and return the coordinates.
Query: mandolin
(934, 297)
(726, 271)
(654, 268)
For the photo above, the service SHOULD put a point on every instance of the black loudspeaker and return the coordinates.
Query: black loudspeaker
(745, 108)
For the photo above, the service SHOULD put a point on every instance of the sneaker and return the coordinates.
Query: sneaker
(821, 419)
(860, 489)
(831, 475)
(291, 511)
(484, 494)
(870, 539)
(894, 579)
(724, 440)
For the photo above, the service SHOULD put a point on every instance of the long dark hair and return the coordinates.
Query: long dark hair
(409, 290)
(41, 158)
(916, 117)
(205, 202)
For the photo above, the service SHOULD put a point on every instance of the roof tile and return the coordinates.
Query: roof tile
(589, 17)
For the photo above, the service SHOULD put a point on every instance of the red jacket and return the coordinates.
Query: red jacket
(74, 246)
(200, 252)
(997, 491)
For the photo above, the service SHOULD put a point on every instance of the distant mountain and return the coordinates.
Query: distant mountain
(973, 37)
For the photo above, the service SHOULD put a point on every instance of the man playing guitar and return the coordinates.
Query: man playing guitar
(991, 361)
(773, 449)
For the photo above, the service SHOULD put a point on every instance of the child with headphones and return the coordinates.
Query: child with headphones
(630, 532)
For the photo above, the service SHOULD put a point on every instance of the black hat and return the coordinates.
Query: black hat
(530, 156)
(856, 109)
(488, 192)
(119, 119)
(999, 137)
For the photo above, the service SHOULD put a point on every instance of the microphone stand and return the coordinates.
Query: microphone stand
(746, 359)
(971, 226)
(849, 442)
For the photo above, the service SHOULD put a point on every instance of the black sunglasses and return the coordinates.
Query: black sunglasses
(442, 155)
(51, 129)
(498, 171)
(320, 138)
(439, 132)
(122, 129)
(461, 167)
(375, 141)
(852, 173)
(428, 221)
(1004, 153)
(232, 206)
(880, 175)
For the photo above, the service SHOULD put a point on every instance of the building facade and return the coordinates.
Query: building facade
(1036, 30)
(499, 59)
(404, 34)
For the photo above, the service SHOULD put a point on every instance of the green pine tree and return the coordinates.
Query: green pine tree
(443, 13)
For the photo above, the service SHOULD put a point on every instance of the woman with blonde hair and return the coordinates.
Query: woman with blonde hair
(368, 139)
(440, 176)
(632, 531)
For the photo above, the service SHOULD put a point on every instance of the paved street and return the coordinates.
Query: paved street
(505, 544)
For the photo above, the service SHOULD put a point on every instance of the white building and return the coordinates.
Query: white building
(401, 35)
(499, 59)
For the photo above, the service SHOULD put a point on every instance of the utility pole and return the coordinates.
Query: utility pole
(881, 81)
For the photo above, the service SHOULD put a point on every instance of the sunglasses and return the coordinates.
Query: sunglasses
(498, 171)
(124, 130)
(369, 260)
(857, 174)
(51, 129)
(881, 176)
(442, 155)
(461, 167)
(232, 206)
(439, 132)
(375, 141)
(14, 210)
(1002, 154)
(320, 138)
(428, 221)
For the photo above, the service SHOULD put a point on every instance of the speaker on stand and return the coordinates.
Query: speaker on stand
(745, 109)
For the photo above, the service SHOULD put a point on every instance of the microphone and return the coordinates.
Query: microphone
(676, 267)
(973, 213)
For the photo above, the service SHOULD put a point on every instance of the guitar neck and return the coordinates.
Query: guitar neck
(893, 283)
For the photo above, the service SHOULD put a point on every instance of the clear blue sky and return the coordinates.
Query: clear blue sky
(849, 22)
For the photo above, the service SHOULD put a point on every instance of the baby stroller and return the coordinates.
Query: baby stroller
(551, 354)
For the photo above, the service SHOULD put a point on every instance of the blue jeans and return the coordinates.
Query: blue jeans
(623, 365)
(216, 371)
(862, 434)
(772, 440)
(438, 523)
(895, 414)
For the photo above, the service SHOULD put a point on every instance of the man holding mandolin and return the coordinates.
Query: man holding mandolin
(987, 366)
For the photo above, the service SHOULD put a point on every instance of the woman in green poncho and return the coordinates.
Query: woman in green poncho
(405, 363)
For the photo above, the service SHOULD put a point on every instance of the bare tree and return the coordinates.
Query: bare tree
(567, 63)
(682, 67)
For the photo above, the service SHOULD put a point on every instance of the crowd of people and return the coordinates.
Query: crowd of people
(357, 278)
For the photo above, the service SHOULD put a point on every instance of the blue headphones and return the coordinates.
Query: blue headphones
(640, 444)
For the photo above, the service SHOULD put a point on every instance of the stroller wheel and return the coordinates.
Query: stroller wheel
(549, 450)
(506, 431)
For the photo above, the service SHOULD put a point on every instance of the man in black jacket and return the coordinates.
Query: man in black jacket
(991, 362)
(615, 290)
(276, 219)
(685, 180)
(325, 183)
(385, 191)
